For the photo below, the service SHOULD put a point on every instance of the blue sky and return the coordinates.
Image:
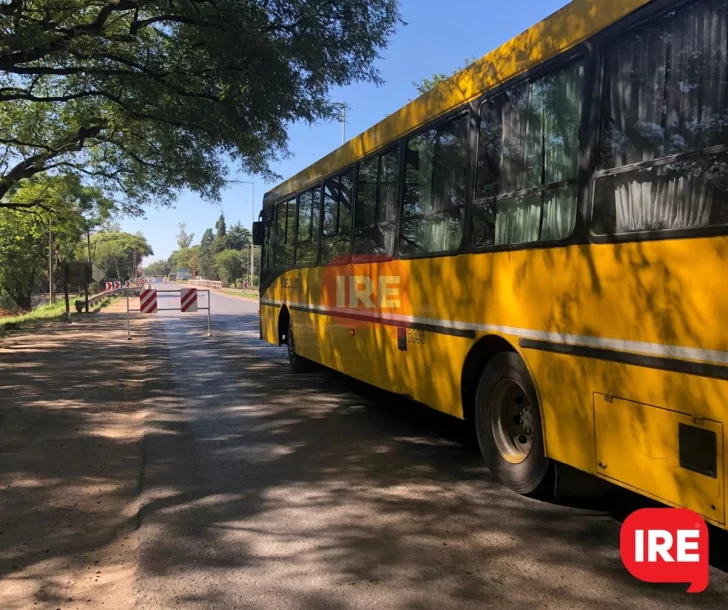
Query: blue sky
(437, 38)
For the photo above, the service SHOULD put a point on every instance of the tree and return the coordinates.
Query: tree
(424, 85)
(150, 96)
(220, 234)
(206, 257)
(69, 208)
(182, 259)
(23, 251)
(114, 252)
(238, 238)
(158, 269)
(184, 239)
(228, 265)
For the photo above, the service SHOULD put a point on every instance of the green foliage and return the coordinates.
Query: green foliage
(69, 208)
(238, 238)
(146, 97)
(182, 259)
(23, 251)
(158, 269)
(424, 85)
(229, 265)
(206, 256)
(220, 234)
(114, 252)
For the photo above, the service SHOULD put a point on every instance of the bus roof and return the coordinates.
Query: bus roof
(566, 28)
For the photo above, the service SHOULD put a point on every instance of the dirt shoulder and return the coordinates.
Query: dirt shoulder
(71, 422)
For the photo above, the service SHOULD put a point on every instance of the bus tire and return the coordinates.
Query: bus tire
(508, 425)
(298, 363)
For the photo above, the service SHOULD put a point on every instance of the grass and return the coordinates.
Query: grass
(43, 314)
(244, 294)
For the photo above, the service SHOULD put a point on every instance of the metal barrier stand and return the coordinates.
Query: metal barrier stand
(177, 292)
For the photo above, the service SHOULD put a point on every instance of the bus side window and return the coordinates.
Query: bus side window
(663, 163)
(375, 215)
(309, 204)
(336, 219)
(434, 189)
(284, 235)
(528, 162)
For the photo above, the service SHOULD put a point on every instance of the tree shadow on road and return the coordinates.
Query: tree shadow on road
(288, 485)
(70, 453)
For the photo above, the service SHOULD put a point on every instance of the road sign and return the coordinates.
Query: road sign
(79, 273)
(98, 275)
(148, 301)
(115, 285)
(188, 299)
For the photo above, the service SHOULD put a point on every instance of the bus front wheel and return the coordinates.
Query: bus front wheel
(508, 424)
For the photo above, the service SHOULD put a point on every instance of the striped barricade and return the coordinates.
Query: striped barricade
(148, 301)
(188, 300)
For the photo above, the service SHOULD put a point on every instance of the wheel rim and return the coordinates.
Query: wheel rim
(512, 421)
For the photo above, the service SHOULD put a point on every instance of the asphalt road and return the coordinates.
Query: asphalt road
(267, 489)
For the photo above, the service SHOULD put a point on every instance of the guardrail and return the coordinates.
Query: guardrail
(81, 304)
(206, 283)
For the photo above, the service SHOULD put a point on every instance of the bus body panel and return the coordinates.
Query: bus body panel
(658, 299)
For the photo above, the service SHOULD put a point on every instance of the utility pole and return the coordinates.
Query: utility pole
(252, 248)
(51, 286)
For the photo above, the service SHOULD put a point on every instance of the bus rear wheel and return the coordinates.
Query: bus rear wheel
(508, 424)
(298, 363)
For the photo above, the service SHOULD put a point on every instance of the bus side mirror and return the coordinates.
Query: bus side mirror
(258, 233)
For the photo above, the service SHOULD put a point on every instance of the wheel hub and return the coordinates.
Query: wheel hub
(512, 421)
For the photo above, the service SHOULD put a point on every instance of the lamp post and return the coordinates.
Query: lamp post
(252, 248)
(342, 105)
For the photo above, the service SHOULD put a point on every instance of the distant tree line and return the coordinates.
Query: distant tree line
(222, 254)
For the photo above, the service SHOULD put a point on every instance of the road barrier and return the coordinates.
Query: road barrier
(206, 283)
(188, 300)
(148, 304)
(81, 304)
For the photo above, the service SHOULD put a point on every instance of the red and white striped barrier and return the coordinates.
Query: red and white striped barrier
(148, 301)
(188, 300)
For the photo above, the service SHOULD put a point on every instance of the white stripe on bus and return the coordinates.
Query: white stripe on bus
(652, 349)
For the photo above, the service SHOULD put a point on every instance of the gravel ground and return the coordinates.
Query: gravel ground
(70, 462)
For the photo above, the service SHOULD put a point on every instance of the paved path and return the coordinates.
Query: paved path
(263, 489)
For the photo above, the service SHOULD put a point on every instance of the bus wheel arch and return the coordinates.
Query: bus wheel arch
(478, 358)
(284, 320)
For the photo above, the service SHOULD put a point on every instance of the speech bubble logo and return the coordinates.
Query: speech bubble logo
(666, 545)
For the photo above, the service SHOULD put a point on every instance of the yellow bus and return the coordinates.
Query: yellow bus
(538, 246)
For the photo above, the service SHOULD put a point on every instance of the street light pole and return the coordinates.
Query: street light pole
(342, 105)
(252, 247)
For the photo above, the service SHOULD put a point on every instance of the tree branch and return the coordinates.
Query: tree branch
(36, 164)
